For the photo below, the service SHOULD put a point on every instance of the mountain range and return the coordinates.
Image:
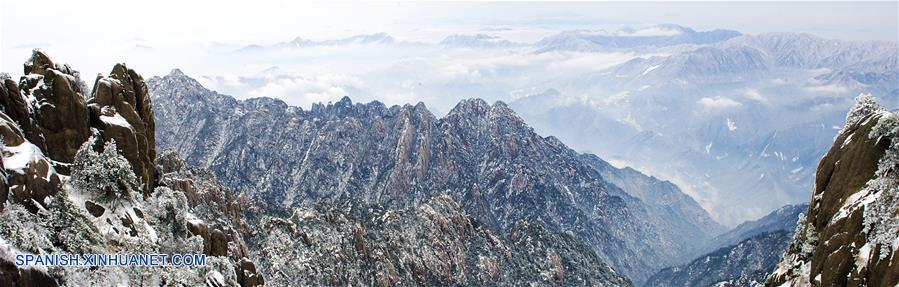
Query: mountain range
(483, 156)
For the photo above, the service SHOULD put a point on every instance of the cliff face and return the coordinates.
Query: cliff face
(851, 235)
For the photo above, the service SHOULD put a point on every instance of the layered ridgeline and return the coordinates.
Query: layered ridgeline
(743, 256)
(483, 156)
(851, 234)
(78, 176)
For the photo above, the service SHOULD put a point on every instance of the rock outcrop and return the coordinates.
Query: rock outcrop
(219, 214)
(851, 234)
(221, 221)
(55, 103)
(28, 176)
(79, 175)
(53, 113)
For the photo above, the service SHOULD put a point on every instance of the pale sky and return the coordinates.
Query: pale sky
(91, 35)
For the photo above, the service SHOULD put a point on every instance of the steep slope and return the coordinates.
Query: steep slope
(483, 156)
(671, 210)
(851, 235)
(745, 264)
(78, 177)
(743, 256)
(783, 218)
(432, 244)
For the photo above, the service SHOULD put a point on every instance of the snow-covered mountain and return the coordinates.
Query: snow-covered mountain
(745, 264)
(732, 119)
(95, 200)
(483, 156)
(298, 42)
(477, 41)
(630, 38)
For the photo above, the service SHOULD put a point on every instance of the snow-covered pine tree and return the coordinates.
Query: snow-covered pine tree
(881, 217)
(24, 230)
(106, 175)
(72, 230)
(865, 104)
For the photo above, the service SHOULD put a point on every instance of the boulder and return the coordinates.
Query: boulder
(247, 275)
(28, 177)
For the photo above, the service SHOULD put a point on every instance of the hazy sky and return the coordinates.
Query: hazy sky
(91, 35)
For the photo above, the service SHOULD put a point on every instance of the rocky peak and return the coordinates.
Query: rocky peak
(470, 107)
(177, 77)
(38, 63)
(120, 107)
(176, 73)
(45, 120)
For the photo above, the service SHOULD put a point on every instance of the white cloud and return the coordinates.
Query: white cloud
(303, 91)
(654, 31)
(827, 89)
(754, 94)
(718, 103)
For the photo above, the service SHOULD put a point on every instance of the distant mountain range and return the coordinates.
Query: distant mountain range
(742, 121)
(376, 38)
(477, 41)
(630, 38)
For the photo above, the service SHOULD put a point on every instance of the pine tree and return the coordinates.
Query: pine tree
(72, 230)
(106, 175)
(865, 104)
(881, 217)
(24, 230)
